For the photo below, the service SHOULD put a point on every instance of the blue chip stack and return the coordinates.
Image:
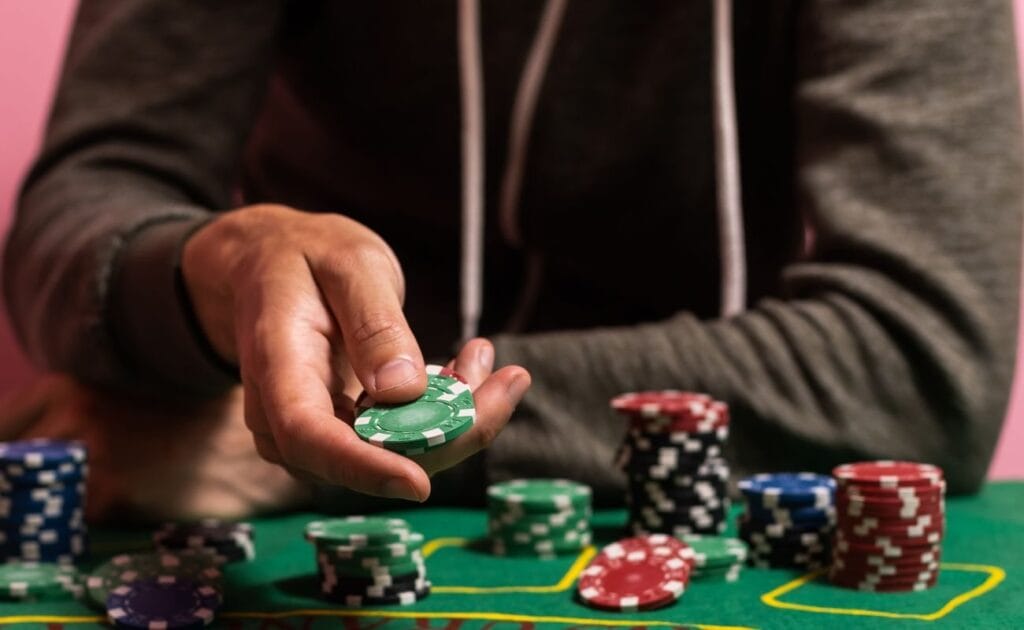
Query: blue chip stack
(42, 501)
(789, 519)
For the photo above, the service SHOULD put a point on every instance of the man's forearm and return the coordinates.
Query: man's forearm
(153, 108)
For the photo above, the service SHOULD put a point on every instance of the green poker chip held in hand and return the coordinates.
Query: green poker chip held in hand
(444, 412)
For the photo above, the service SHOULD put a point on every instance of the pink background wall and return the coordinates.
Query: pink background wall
(31, 42)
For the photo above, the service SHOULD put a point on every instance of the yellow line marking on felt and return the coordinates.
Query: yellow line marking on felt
(563, 584)
(318, 612)
(439, 543)
(51, 619)
(480, 616)
(995, 576)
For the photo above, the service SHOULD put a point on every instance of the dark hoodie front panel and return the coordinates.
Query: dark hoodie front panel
(618, 192)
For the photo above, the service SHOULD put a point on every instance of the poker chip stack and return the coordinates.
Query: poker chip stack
(168, 588)
(788, 520)
(42, 501)
(891, 521)
(716, 558)
(229, 542)
(166, 602)
(369, 561)
(193, 566)
(672, 456)
(445, 411)
(634, 574)
(540, 518)
(33, 581)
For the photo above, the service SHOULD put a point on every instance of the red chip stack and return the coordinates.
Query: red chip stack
(889, 527)
(640, 573)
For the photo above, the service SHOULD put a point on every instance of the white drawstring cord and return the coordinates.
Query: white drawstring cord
(522, 117)
(471, 84)
(727, 166)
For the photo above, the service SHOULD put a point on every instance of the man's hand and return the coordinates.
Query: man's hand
(310, 307)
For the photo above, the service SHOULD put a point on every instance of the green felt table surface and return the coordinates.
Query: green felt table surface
(980, 585)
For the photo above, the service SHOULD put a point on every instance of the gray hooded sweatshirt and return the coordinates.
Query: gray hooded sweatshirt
(879, 150)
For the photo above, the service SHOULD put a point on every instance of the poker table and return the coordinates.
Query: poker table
(981, 584)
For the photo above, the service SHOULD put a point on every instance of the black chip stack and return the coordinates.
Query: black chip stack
(672, 456)
(228, 541)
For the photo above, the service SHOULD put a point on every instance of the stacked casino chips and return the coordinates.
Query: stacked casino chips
(184, 566)
(444, 412)
(789, 519)
(42, 501)
(33, 581)
(542, 518)
(369, 561)
(170, 588)
(716, 558)
(230, 542)
(891, 520)
(672, 456)
(166, 602)
(641, 573)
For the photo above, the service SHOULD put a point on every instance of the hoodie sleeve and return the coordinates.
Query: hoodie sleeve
(896, 337)
(154, 105)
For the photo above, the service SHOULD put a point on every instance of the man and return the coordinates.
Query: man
(888, 131)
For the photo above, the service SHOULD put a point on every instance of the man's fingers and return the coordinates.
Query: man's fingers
(346, 388)
(267, 449)
(495, 399)
(255, 416)
(361, 288)
(475, 361)
(310, 437)
(288, 359)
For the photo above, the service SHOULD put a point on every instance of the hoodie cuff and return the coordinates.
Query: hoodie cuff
(151, 315)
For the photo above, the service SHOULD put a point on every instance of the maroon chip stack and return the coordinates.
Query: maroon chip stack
(889, 527)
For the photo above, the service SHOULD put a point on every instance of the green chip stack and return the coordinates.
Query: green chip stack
(39, 581)
(369, 561)
(541, 518)
(716, 558)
